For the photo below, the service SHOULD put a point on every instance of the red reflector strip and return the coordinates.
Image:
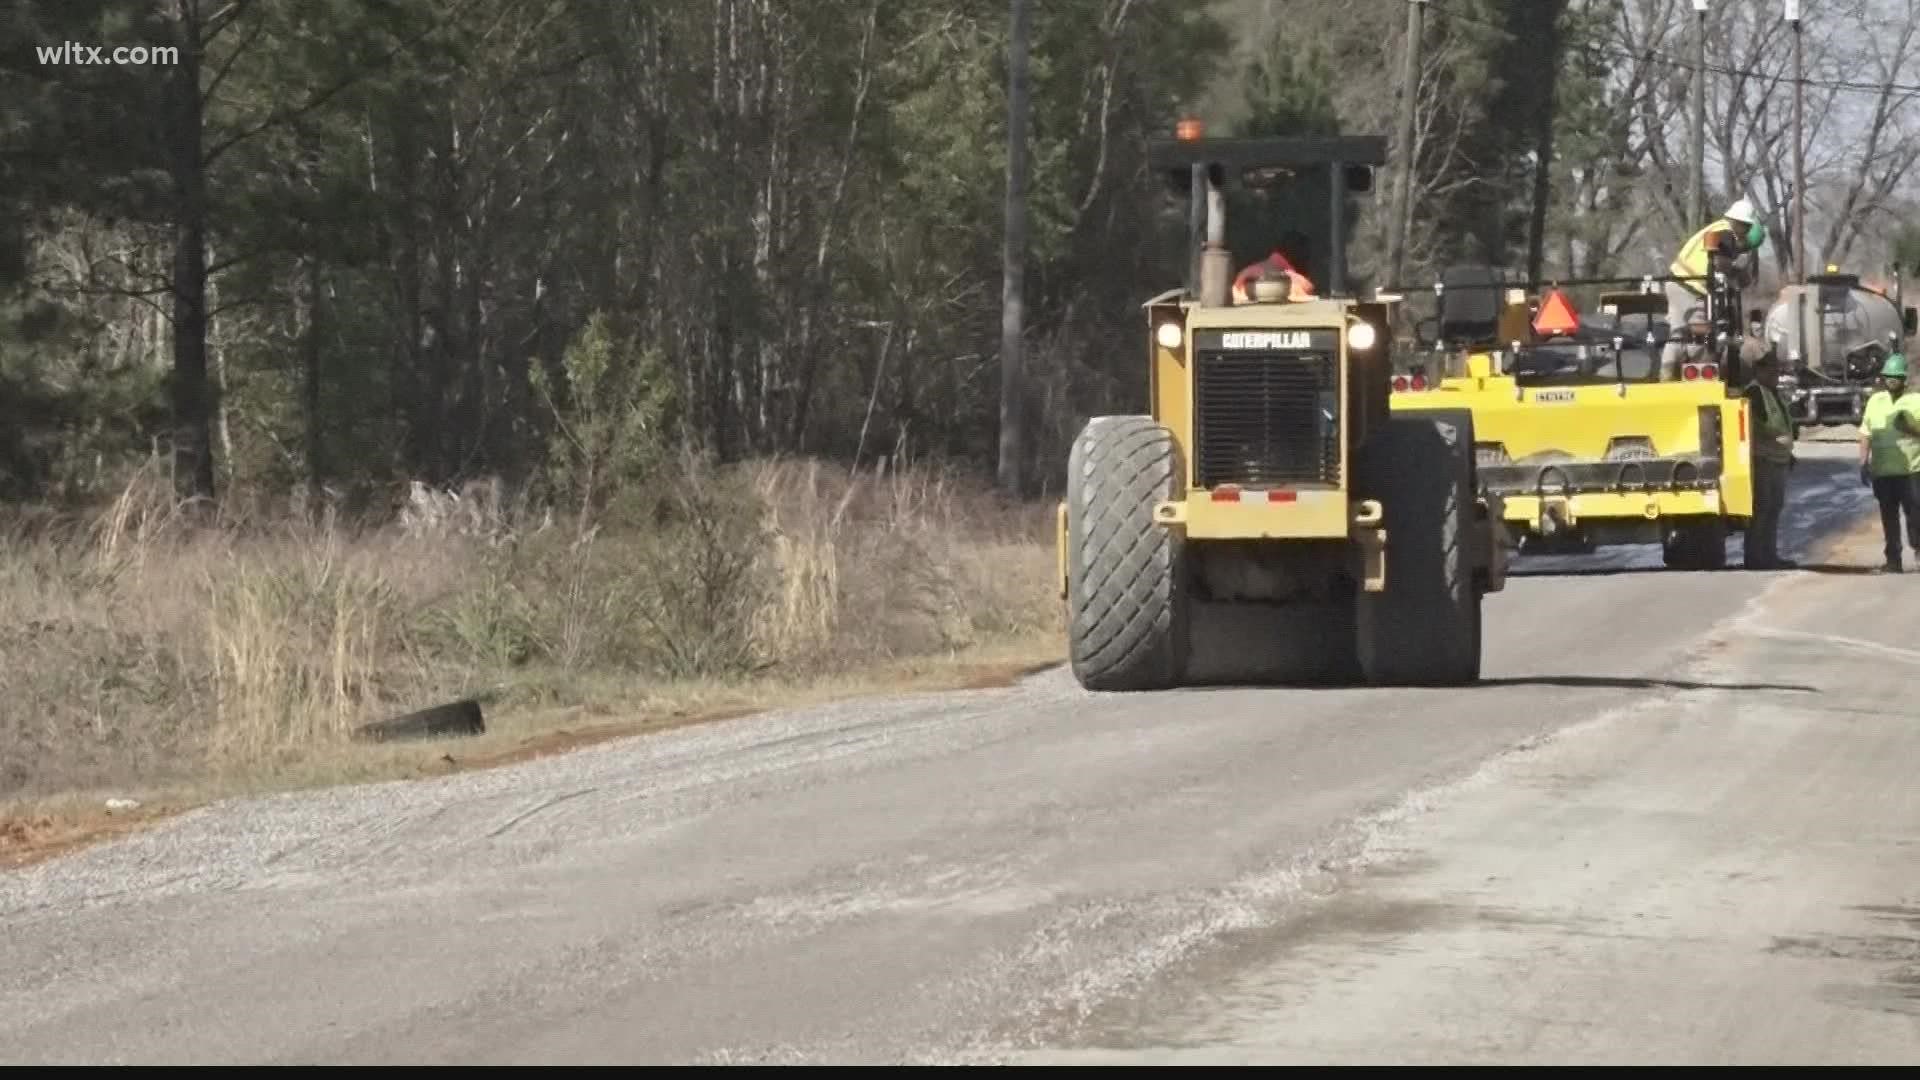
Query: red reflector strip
(1236, 495)
(1743, 425)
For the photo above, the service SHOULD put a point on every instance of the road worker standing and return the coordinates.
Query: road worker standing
(1772, 460)
(1890, 458)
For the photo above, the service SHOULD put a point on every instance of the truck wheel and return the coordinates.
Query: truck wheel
(1423, 629)
(1698, 544)
(1127, 598)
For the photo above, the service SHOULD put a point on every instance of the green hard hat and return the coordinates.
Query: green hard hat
(1895, 367)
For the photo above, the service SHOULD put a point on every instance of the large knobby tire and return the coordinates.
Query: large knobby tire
(1127, 600)
(1423, 629)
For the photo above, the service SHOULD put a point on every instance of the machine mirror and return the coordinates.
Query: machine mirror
(1910, 319)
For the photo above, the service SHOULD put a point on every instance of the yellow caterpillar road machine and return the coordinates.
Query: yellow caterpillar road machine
(1578, 434)
(1269, 504)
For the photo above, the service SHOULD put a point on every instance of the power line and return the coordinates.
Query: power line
(1613, 52)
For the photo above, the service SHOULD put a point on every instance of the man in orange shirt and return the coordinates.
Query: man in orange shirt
(1274, 266)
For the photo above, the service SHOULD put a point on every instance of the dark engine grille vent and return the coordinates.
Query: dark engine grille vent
(1266, 419)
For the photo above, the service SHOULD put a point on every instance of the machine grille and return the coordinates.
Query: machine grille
(1267, 419)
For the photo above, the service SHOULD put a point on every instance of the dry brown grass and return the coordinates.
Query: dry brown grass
(147, 656)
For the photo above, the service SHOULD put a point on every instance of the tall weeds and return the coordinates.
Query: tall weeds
(146, 646)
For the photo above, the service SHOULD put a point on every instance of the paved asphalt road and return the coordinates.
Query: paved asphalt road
(1678, 824)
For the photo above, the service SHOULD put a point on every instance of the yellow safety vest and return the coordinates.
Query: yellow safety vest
(1891, 452)
(1768, 426)
(1692, 260)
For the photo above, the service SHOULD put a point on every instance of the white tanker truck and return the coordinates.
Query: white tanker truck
(1828, 372)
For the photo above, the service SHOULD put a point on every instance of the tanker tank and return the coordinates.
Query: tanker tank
(1827, 374)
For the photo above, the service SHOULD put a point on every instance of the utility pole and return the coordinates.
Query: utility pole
(1013, 259)
(1697, 189)
(1799, 149)
(1409, 97)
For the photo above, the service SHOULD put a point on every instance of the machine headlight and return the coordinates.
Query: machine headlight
(1168, 335)
(1361, 336)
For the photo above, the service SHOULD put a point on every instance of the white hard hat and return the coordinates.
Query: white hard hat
(1741, 210)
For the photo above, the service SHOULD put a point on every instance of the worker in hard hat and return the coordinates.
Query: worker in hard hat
(1275, 272)
(1279, 267)
(1728, 246)
(1890, 458)
(1772, 460)
(1758, 348)
(1695, 344)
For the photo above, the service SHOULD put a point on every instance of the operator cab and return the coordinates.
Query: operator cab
(1488, 324)
(1292, 193)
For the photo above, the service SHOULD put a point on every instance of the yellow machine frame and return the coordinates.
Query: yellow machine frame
(1603, 488)
(1300, 512)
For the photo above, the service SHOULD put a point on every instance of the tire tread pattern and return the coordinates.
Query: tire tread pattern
(1126, 595)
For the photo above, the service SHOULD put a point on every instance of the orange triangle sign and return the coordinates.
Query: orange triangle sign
(1556, 317)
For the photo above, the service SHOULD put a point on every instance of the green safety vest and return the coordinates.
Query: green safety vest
(1691, 261)
(1768, 426)
(1891, 452)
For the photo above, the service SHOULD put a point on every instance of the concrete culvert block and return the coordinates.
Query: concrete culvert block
(454, 719)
